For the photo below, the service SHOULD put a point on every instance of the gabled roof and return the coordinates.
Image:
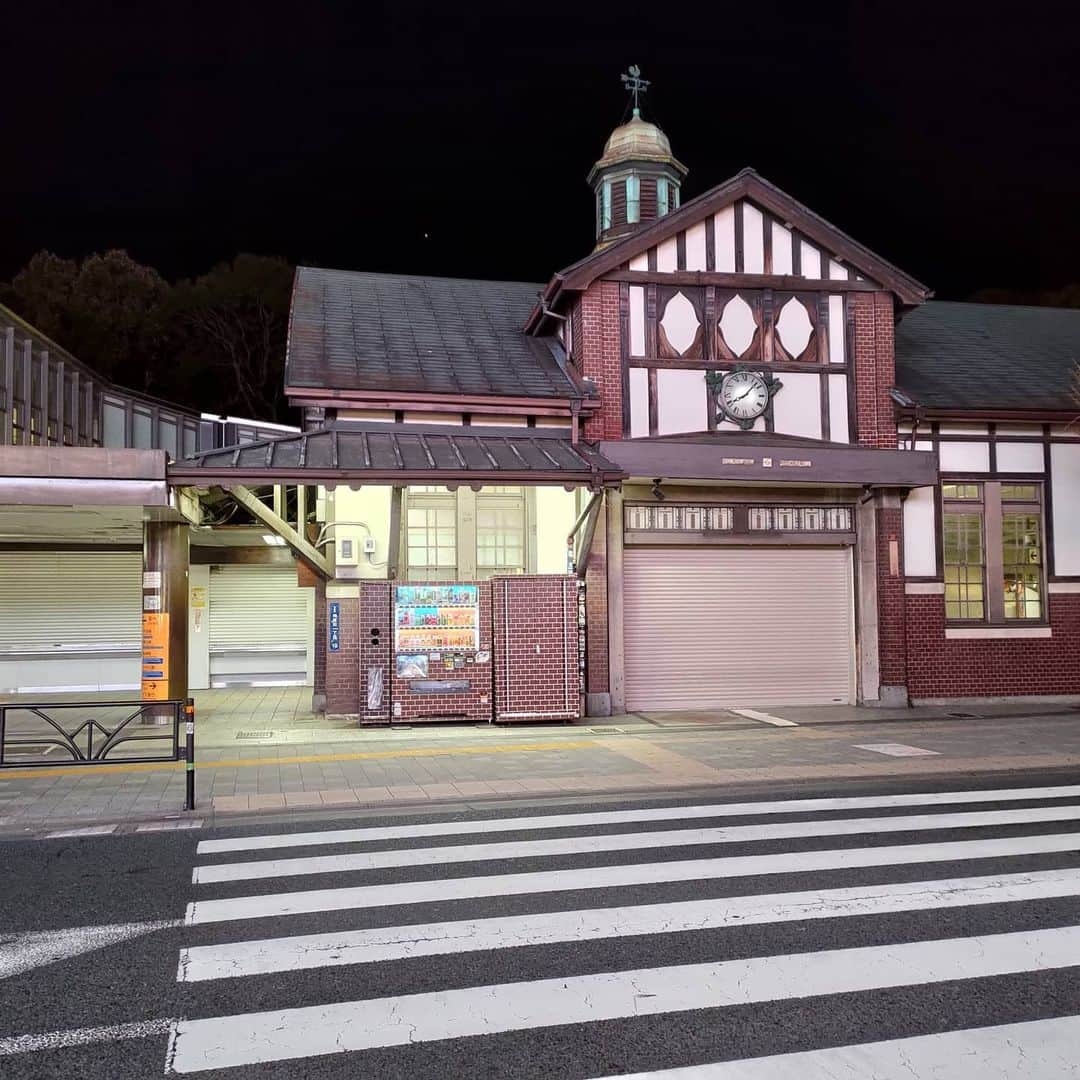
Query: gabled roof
(406, 334)
(745, 184)
(374, 453)
(988, 356)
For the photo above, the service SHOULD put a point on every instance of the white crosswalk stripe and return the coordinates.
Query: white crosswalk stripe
(623, 935)
(574, 845)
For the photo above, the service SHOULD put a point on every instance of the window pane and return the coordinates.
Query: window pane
(961, 491)
(964, 566)
(431, 540)
(1019, 493)
(500, 534)
(1021, 559)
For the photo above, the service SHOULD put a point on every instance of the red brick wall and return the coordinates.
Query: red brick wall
(472, 704)
(1008, 667)
(600, 357)
(596, 627)
(343, 666)
(875, 368)
(320, 637)
(892, 642)
(376, 650)
(535, 658)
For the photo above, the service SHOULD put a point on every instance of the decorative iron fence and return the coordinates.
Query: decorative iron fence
(78, 729)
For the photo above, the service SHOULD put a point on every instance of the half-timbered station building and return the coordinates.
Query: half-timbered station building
(730, 457)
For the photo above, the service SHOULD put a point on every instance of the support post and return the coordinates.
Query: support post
(165, 611)
(189, 753)
(616, 658)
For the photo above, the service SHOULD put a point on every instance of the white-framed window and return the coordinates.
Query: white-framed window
(500, 531)
(605, 205)
(431, 535)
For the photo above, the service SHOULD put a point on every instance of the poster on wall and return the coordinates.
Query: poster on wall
(436, 618)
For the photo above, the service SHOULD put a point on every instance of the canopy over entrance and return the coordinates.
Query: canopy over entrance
(394, 454)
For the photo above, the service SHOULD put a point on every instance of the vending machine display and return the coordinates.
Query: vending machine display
(436, 618)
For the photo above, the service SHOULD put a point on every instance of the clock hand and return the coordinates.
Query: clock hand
(743, 394)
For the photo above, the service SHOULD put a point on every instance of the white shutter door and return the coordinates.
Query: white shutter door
(54, 598)
(256, 606)
(712, 627)
(70, 621)
(260, 625)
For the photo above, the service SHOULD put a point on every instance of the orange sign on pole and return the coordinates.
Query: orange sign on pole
(155, 656)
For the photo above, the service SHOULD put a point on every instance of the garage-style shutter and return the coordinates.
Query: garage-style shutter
(70, 621)
(260, 625)
(712, 627)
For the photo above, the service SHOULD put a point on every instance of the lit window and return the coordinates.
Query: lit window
(964, 566)
(974, 555)
(661, 196)
(633, 200)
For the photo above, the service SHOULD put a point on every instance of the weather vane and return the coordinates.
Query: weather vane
(636, 85)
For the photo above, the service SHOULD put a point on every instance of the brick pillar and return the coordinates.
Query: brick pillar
(892, 609)
(599, 355)
(343, 663)
(376, 646)
(875, 368)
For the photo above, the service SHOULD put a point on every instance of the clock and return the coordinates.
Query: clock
(744, 395)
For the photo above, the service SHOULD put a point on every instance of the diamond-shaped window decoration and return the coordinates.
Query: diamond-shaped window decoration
(794, 327)
(680, 323)
(737, 325)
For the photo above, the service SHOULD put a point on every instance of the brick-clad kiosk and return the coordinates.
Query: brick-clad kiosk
(536, 648)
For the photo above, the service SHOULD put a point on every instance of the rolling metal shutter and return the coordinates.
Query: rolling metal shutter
(711, 627)
(70, 621)
(260, 626)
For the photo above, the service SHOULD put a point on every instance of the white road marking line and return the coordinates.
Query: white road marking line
(607, 877)
(764, 717)
(618, 817)
(271, 955)
(56, 1040)
(896, 749)
(287, 1034)
(34, 948)
(576, 845)
(168, 826)
(1035, 1050)
(86, 830)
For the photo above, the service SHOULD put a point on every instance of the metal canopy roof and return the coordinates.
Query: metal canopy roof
(398, 454)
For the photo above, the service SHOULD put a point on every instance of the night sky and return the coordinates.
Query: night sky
(455, 138)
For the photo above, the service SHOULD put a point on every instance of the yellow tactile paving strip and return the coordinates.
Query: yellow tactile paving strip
(299, 759)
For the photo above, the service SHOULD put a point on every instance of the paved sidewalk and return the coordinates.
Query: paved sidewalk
(446, 764)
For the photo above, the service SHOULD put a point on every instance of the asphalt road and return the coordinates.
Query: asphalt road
(916, 927)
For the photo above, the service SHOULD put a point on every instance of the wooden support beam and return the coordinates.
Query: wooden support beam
(261, 512)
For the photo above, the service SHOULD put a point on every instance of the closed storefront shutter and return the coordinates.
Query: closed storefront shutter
(260, 626)
(713, 627)
(71, 621)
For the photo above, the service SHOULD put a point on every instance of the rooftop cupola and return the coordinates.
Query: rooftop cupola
(637, 179)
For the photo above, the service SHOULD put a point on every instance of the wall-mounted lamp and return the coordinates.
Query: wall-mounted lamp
(656, 492)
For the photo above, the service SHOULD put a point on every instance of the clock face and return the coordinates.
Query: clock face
(744, 395)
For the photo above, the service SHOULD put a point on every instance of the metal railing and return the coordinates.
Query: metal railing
(89, 739)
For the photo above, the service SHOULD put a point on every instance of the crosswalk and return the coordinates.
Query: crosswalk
(920, 934)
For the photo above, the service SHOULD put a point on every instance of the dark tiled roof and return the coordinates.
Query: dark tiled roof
(397, 454)
(358, 331)
(988, 356)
